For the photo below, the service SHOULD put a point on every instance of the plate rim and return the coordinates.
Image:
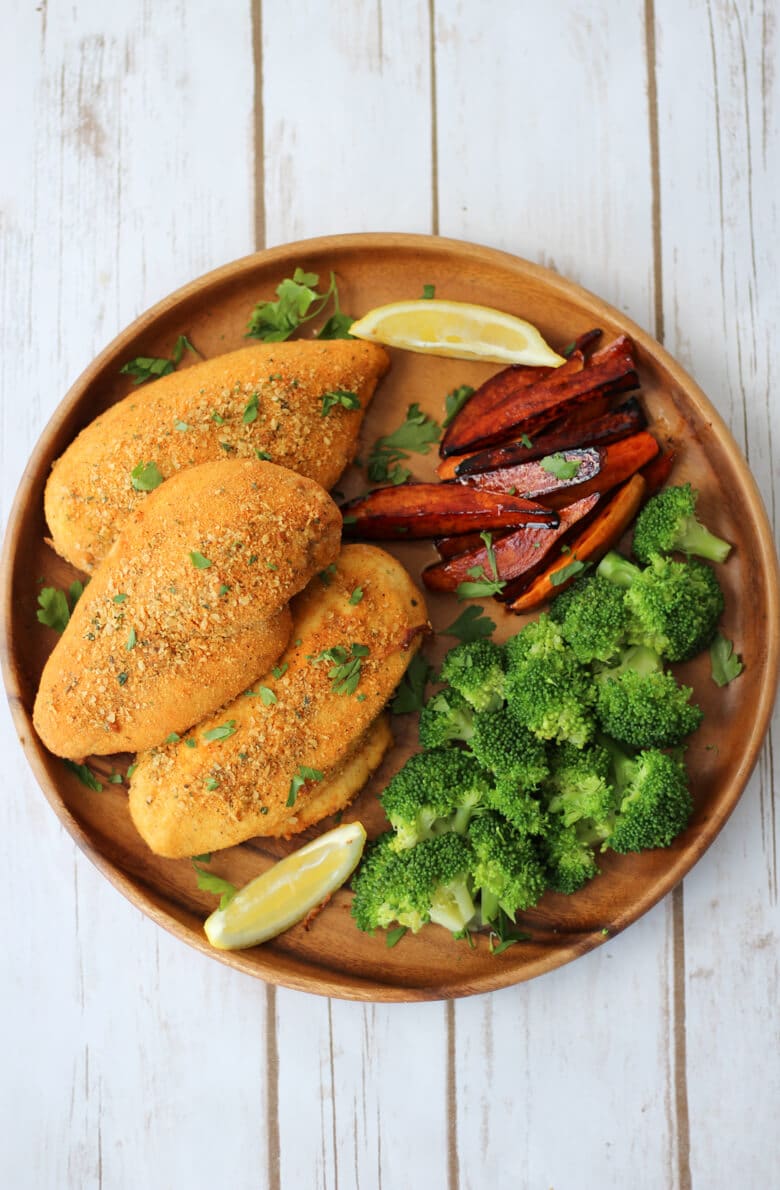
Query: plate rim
(349, 985)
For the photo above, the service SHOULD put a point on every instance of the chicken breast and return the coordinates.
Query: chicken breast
(267, 763)
(188, 609)
(262, 401)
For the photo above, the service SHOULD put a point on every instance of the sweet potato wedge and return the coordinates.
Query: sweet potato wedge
(448, 547)
(418, 510)
(627, 419)
(657, 471)
(522, 552)
(534, 406)
(596, 539)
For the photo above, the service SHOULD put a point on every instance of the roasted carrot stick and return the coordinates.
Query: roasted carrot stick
(595, 540)
(522, 552)
(417, 510)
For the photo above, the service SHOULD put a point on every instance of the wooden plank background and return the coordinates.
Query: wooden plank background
(636, 149)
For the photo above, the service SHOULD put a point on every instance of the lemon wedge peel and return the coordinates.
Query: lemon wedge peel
(288, 891)
(457, 330)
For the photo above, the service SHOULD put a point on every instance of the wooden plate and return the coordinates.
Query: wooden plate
(333, 957)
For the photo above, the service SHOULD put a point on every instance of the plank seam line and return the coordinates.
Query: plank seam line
(453, 1171)
(272, 1090)
(434, 121)
(258, 123)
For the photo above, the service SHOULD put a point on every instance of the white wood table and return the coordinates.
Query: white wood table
(635, 147)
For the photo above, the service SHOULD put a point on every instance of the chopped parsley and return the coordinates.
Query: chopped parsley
(173, 738)
(223, 732)
(119, 598)
(454, 402)
(346, 664)
(53, 610)
(263, 455)
(559, 466)
(217, 417)
(410, 694)
(326, 575)
(394, 936)
(416, 434)
(566, 572)
(131, 641)
(198, 561)
(298, 302)
(429, 292)
(339, 396)
(145, 367)
(482, 584)
(300, 778)
(279, 670)
(526, 441)
(266, 696)
(250, 411)
(212, 783)
(122, 678)
(85, 775)
(223, 589)
(726, 664)
(472, 624)
(116, 778)
(145, 477)
(181, 426)
(356, 596)
(209, 882)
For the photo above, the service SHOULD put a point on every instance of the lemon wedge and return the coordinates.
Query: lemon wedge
(458, 330)
(288, 891)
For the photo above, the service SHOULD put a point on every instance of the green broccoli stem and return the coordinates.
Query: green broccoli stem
(638, 658)
(452, 906)
(488, 903)
(623, 765)
(618, 570)
(695, 538)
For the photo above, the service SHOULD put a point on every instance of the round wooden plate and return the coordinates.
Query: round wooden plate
(332, 957)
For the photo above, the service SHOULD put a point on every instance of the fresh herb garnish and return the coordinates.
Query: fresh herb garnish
(726, 664)
(300, 778)
(326, 575)
(173, 738)
(429, 291)
(266, 696)
(346, 665)
(84, 774)
(209, 882)
(131, 641)
(279, 670)
(223, 732)
(116, 778)
(566, 572)
(217, 418)
(119, 598)
(356, 596)
(454, 402)
(471, 624)
(263, 455)
(181, 426)
(410, 694)
(416, 434)
(202, 859)
(145, 367)
(393, 937)
(482, 584)
(339, 396)
(250, 410)
(212, 783)
(526, 441)
(559, 466)
(145, 477)
(198, 561)
(53, 610)
(297, 302)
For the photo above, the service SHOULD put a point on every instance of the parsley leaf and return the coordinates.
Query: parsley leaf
(429, 291)
(337, 326)
(471, 624)
(356, 596)
(325, 576)
(223, 732)
(266, 696)
(280, 670)
(345, 672)
(297, 302)
(250, 412)
(84, 774)
(209, 882)
(416, 434)
(454, 402)
(482, 584)
(566, 572)
(526, 441)
(146, 477)
(393, 937)
(341, 397)
(410, 694)
(53, 610)
(131, 641)
(726, 664)
(300, 778)
(146, 367)
(559, 466)
(173, 738)
(198, 561)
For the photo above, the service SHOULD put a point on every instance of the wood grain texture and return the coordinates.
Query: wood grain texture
(124, 1057)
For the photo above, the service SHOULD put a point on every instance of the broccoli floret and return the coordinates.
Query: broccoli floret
(668, 522)
(552, 697)
(675, 606)
(592, 617)
(507, 869)
(655, 803)
(539, 638)
(435, 791)
(476, 670)
(570, 860)
(509, 750)
(580, 788)
(429, 882)
(638, 704)
(444, 718)
(520, 808)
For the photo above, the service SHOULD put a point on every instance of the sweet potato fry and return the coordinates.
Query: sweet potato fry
(596, 539)
(628, 419)
(417, 510)
(583, 342)
(657, 471)
(508, 384)
(522, 552)
(448, 547)
(534, 406)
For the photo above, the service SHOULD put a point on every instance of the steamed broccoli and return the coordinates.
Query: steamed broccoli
(655, 801)
(428, 882)
(552, 696)
(444, 718)
(476, 670)
(540, 638)
(522, 809)
(435, 791)
(579, 787)
(507, 870)
(509, 750)
(638, 704)
(668, 522)
(570, 860)
(593, 618)
(675, 606)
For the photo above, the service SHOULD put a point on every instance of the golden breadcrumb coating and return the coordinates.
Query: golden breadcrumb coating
(266, 398)
(188, 609)
(236, 774)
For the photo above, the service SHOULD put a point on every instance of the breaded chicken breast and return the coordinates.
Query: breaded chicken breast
(267, 763)
(188, 609)
(263, 401)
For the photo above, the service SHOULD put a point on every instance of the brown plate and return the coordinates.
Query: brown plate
(332, 957)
